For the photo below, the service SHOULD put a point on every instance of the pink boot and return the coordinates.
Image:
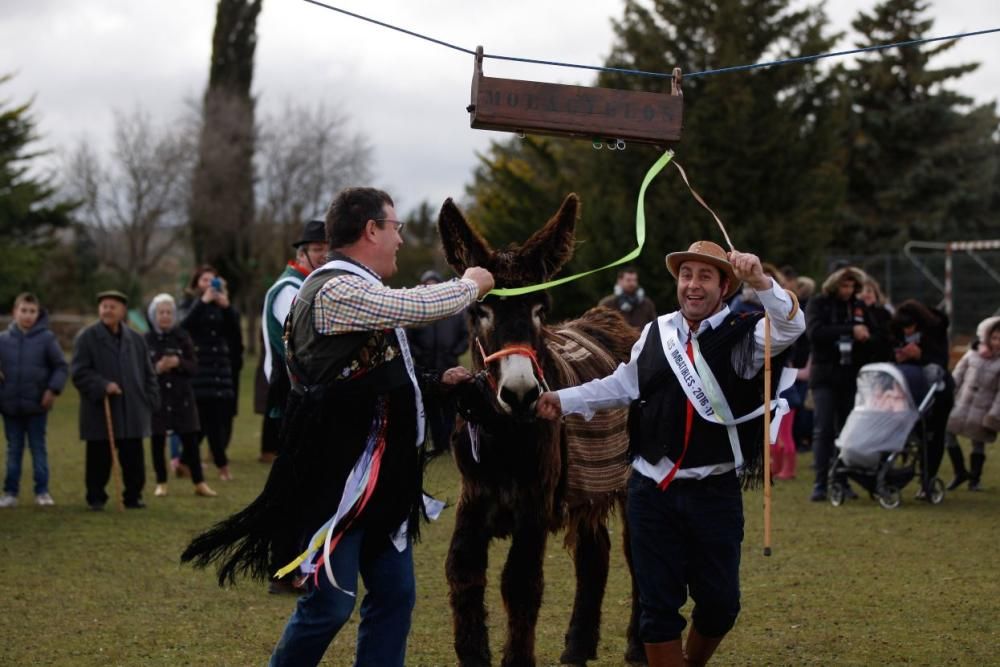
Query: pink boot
(786, 443)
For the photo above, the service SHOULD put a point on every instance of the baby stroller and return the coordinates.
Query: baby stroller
(885, 435)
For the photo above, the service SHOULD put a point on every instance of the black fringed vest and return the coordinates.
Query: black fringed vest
(336, 381)
(662, 405)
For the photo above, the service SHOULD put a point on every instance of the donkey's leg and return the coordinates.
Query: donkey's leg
(635, 652)
(522, 585)
(591, 553)
(466, 573)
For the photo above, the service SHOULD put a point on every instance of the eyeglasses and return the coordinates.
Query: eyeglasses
(399, 223)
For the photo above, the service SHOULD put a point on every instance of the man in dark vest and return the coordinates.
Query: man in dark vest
(310, 254)
(694, 382)
(346, 485)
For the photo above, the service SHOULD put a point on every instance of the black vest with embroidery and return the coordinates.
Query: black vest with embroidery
(365, 361)
(661, 409)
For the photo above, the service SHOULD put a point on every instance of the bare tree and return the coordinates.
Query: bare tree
(134, 203)
(305, 155)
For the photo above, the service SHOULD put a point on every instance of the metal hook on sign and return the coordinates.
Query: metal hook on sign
(620, 144)
(520, 135)
(612, 145)
(598, 145)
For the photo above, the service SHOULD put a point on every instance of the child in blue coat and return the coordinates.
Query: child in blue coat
(33, 372)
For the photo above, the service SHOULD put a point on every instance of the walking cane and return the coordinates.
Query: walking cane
(767, 435)
(115, 466)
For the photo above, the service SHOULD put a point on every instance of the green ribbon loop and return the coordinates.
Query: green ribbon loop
(640, 238)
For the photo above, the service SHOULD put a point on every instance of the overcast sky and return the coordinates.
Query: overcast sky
(83, 60)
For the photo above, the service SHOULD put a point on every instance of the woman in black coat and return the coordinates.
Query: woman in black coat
(214, 327)
(920, 335)
(172, 354)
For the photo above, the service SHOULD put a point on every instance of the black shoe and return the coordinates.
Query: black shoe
(961, 477)
(96, 507)
(135, 505)
(818, 494)
(849, 493)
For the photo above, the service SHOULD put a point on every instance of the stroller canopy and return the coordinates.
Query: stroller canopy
(884, 413)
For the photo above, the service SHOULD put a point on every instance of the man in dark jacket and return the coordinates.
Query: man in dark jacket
(437, 347)
(32, 374)
(630, 299)
(112, 361)
(842, 338)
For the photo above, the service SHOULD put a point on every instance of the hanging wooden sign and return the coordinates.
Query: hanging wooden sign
(532, 107)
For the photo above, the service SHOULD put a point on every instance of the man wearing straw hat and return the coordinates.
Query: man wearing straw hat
(694, 381)
(112, 361)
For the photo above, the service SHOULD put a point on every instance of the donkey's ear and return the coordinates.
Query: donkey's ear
(463, 245)
(552, 245)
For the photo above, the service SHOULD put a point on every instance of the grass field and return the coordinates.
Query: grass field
(855, 585)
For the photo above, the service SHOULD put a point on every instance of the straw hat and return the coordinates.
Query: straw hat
(709, 253)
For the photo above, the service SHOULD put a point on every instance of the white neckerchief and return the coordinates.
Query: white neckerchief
(703, 390)
(404, 346)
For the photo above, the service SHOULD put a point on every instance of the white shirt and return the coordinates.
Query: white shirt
(622, 387)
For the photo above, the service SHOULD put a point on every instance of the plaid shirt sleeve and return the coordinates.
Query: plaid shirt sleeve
(349, 303)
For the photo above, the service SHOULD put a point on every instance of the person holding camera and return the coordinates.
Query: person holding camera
(172, 355)
(842, 338)
(214, 326)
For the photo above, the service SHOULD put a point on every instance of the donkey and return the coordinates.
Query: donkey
(525, 478)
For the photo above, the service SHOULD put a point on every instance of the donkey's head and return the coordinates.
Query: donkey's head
(509, 328)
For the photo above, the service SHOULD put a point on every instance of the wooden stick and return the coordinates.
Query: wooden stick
(116, 470)
(767, 435)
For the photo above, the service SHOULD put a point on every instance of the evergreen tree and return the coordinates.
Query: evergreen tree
(762, 147)
(923, 161)
(29, 211)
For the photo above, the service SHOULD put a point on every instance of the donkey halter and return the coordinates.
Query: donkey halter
(507, 351)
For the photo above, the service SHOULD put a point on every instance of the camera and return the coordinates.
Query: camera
(844, 345)
(217, 284)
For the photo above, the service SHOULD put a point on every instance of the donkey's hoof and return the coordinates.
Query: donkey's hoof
(577, 656)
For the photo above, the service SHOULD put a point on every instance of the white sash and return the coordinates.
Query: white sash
(705, 394)
(404, 346)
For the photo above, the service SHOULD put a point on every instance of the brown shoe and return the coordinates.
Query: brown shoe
(161, 490)
(204, 490)
(224, 474)
(267, 457)
(182, 471)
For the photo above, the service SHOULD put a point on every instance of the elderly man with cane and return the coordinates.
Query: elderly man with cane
(118, 392)
(695, 382)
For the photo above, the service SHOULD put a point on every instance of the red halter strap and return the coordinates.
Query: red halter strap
(507, 351)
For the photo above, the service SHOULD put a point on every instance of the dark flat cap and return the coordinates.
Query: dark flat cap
(112, 294)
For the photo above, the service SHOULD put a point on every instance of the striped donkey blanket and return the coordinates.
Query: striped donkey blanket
(596, 451)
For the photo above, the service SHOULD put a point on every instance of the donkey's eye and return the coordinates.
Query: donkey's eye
(483, 316)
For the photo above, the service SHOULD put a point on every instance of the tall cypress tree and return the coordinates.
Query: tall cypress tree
(222, 204)
(923, 160)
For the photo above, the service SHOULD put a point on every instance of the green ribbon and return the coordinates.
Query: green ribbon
(640, 238)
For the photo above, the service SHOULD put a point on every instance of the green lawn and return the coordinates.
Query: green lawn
(855, 585)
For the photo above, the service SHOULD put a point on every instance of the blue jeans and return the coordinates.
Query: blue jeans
(385, 610)
(32, 428)
(686, 539)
